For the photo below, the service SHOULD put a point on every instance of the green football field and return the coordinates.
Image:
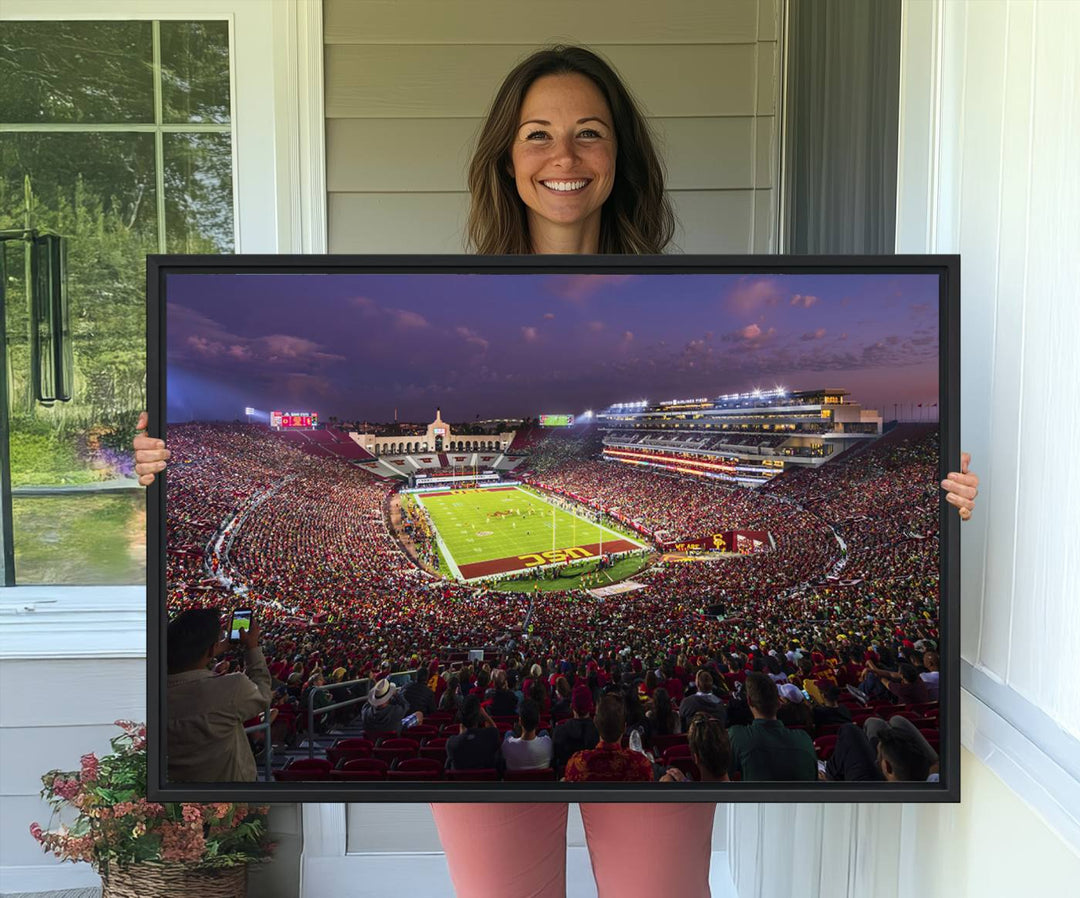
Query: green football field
(483, 532)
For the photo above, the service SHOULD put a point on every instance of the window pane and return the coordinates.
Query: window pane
(81, 540)
(195, 72)
(76, 72)
(198, 193)
(98, 191)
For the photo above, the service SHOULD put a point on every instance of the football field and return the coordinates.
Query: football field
(506, 529)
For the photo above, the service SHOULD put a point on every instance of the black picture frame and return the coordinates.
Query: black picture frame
(946, 267)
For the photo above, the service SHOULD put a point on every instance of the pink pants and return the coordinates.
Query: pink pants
(496, 850)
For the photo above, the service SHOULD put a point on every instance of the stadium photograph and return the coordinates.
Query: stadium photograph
(490, 526)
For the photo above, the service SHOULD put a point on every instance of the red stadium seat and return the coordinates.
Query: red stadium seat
(662, 743)
(824, 746)
(438, 718)
(416, 769)
(378, 736)
(450, 729)
(303, 770)
(421, 731)
(365, 769)
(828, 729)
(544, 775)
(675, 752)
(348, 749)
(472, 776)
(398, 749)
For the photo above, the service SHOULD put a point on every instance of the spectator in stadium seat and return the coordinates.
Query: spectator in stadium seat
(609, 762)
(577, 733)
(527, 751)
(665, 720)
(476, 747)
(385, 708)
(561, 704)
(623, 209)
(418, 696)
(702, 700)
(766, 750)
(930, 676)
(451, 698)
(503, 701)
(905, 685)
(710, 750)
(794, 710)
(205, 739)
(830, 712)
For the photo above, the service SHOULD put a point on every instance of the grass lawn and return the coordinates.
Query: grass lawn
(620, 570)
(83, 539)
(484, 525)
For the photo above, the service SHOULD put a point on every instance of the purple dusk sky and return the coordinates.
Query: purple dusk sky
(360, 346)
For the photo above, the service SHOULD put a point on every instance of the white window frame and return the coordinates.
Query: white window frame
(279, 200)
(1031, 753)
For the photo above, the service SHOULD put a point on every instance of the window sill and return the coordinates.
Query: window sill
(73, 622)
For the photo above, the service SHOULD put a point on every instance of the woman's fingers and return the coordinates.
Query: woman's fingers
(965, 485)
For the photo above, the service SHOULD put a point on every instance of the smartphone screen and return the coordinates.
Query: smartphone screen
(241, 621)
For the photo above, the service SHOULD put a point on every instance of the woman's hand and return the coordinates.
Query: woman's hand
(962, 487)
(150, 453)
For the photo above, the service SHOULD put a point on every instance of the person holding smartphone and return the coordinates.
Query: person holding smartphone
(565, 164)
(206, 711)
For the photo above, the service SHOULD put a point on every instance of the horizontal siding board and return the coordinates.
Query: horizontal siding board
(713, 221)
(106, 690)
(768, 27)
(768, 77)
(555, 21)
(765, 222)
(458, 81)
(765, 152)
(389, 155)
(28, 752)
(397, 222)
(387, 826)
(709, 221)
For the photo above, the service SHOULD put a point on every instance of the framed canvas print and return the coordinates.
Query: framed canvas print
(589, 528)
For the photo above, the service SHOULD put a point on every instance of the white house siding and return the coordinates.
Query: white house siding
(409, 81)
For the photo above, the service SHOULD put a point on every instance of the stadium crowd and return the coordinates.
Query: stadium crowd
(843, 600)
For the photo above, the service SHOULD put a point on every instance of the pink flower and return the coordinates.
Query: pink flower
(65, 788)
(192, 813)
(36, 832)
(89, 768)
(181, 842)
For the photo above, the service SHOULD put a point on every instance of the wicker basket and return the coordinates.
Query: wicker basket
(174, 881)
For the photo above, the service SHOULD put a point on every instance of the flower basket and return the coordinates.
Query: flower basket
(145, 849)
(173, 881)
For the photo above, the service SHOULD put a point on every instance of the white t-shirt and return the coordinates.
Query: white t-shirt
(930, 678)
(527, 754)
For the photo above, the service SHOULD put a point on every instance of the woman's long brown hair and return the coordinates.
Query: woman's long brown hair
(636, 218)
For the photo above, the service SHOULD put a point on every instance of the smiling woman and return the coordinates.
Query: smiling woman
(565, 145)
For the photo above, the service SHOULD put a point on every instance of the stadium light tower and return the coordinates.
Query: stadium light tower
(249, 411)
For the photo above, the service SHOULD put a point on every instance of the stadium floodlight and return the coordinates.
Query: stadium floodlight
(249, 411)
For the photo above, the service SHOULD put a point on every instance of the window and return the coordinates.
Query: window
(118, 136)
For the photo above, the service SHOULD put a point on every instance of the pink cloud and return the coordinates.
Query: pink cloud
(406, 318)
(750, 332)
(579, 287)
(814, 335)
(530, 334)
(595, 326)
(805, 301)
(751, 293)
(471, 337)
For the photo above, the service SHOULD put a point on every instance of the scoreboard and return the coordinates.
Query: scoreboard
(556, 420)
(294, 419)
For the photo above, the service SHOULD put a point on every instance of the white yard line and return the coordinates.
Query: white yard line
(445, 551)
(604, 527)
